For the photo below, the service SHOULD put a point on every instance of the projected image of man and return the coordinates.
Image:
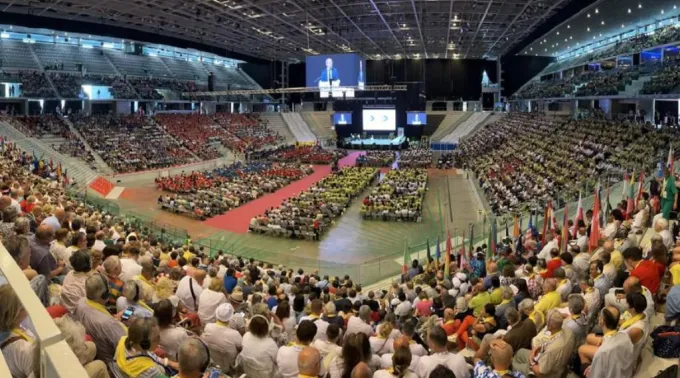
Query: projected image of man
(329, 76)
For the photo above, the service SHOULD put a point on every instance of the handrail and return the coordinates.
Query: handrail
(48, 336)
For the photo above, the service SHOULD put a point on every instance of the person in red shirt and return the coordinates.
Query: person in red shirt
(554, 262)
(646, 271)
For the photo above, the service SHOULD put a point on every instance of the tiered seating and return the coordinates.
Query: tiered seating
(526, 160)
(311, 213)
(137, 65)
(33, 84)
(466, 127)
(203, 195)
(320, 123)
(130, 144)
(251, 130)
(38, 126)
(665, 81)
(147, 88)
(301, 154)
(69, 57)
(195, 132)
(399, 197)
(185, 70)
(16, 54)
(415, 158)
(451, 121)
(228, 76)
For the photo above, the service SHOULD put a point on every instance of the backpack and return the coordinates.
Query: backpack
(666, 341)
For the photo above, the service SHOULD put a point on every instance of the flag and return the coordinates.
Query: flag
(491, 246)
(461, 253)
(404, 266)
(437, 255)
(447, 258)
(595, 225)
(625, 185)
(507, 232)
(630, 205)
(545, 224)
(58, 171)
(51, 163)
(472, 238)
(659, 167)
(565, 229)
(579, 215)
(429, 256)
(516, 227)
(641, 187)
(670, 161)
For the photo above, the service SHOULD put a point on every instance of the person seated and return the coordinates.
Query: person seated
(437, 342)
(19, 348)
(74, 335)
(132, 301)
(73, 288)
(222, 340)
(172, 334)
(134, 355)
(501, 357)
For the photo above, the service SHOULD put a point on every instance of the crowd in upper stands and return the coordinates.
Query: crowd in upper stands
(665, 81)
(130, 143)
(302, 154)
(132, 305)
(376, 159)
(205, 194)
(310, 214)
(398, 197)
(526, 160)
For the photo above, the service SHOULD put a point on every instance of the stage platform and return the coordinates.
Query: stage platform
(372, 141)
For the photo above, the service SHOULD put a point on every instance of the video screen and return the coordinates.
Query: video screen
(380, 119)
(342, 118)
(416, 118)
(335, 71)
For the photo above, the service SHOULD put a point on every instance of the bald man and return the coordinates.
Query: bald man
(400, 342)
(550, 299)
(192, 356)
(362, 371)
(501, 357)
(42, 260)
(55, 221)
(190, 289)
(309, 362)
(551, 351)
(630, 285)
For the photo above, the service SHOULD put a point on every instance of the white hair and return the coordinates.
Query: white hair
(662, 223)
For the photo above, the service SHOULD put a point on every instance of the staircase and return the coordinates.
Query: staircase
(466, 127)
(495, 117)
(635, 87)
(299, 127)
(100, 164)
(320, 123)
(449, 124)
(76, 168)
(276, 123)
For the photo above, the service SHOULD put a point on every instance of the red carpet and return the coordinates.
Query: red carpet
(237, 220)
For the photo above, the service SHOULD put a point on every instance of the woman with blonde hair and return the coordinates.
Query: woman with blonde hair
(401, 360)
(18, 344)
(210, 299)
(383, 343)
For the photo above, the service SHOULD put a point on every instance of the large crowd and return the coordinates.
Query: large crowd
(205, 194)
(585, 83)
(129, 304)
(130, 143)
(398, 197)
(310, 214)
(376, 159)
(300, 154)
(526, 160)
(416, 158)
(666, 80)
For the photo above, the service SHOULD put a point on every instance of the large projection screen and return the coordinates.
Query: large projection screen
(380, 119)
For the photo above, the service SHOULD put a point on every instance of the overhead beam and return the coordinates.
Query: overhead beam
(448, 30)
(422, 40)
(375, 6)
(357, 27)
(479, 27)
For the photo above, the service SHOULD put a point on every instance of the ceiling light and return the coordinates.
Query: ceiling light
(588, 15)
(532, 49)
(570, 37)
(600, 34)
(565, 40)
(546, 50)
(544, 41)
(675, 7)
(662, 11)
(629, 10)
(623, 26)
(588, 29)
(568, 26)
(558, 33)
(639, 6)
(602, 22)
(597, 11)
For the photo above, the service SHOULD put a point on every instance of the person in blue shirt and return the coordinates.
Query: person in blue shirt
(230, 281)
(272, 301)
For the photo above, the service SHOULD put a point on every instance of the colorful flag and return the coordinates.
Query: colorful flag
(447, 258)
(51, 163)
(546, 213)
(641, 187)
(579, 216)
(595, 225)
(625, 185)
(671, 160)
(429, 256)
(472, 238)
(437, 255)
(630, 205)
(565, 229)
(491, 246)
(516, 227)
(404, 266)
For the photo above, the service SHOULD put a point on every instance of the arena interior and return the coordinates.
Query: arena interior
(339, 188)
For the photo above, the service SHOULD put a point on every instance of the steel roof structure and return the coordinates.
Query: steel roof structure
(290, 29)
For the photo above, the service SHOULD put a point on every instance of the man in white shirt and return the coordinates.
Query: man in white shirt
(287, 357)
(223, 341)
(661, 228)
(315, 317)
(190, 289)
(582, 240)
(330, 345)
(436, 340)
(361, 323)
(404, 308)
(614, 358)
(99, 241)
(549, 245)
(129, 265)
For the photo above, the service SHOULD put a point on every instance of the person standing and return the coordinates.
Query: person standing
(668, 194)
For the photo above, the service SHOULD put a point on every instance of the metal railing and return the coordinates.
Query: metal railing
(57, 360)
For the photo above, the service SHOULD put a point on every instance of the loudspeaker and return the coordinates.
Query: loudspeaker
(211, 82)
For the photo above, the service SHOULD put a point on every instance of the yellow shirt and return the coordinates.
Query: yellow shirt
(478, 302)
(496, 298)
(188, 256)
(164, 256)
(617, 259)
(675, 273)
(548, 302)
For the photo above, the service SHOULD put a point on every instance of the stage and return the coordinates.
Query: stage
(379, 142)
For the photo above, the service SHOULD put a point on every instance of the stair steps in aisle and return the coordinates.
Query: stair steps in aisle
(101, 165)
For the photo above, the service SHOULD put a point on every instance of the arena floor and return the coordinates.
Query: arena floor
(368, 249)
